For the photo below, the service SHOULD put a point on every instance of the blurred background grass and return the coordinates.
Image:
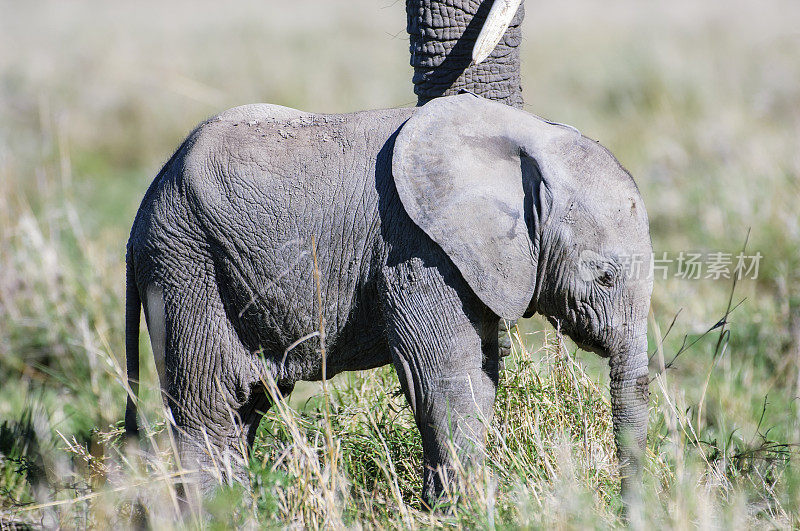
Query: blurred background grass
(700, 101)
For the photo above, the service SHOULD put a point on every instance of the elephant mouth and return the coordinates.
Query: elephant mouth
(589, 345)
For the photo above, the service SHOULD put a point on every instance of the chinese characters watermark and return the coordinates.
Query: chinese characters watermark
(685, 265)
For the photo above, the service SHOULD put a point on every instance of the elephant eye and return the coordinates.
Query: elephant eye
(607, 277)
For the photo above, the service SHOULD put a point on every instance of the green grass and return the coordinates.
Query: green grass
(699, 102)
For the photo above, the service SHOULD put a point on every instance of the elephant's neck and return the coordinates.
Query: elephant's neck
(442, 34)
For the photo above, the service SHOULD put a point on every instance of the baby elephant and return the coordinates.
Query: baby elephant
(396, 236)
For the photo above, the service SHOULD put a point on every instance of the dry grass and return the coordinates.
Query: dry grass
(699, 101)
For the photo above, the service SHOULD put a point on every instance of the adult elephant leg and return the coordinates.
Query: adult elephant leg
(444, 348)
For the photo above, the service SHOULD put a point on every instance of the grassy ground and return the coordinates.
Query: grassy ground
(700, 102)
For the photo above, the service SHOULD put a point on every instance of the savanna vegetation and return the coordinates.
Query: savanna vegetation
(700, 101)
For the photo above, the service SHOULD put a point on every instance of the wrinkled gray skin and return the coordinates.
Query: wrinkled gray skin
(428, 225)
(442, 34)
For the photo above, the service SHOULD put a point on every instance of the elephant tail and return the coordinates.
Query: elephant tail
(133, 305)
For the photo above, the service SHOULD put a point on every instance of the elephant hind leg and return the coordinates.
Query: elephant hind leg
(220, 457)
(212, 384)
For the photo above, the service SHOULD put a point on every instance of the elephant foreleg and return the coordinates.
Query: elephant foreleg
(446, 356)
(453, 418)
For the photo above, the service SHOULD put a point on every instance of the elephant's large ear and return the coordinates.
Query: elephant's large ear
(462, 169)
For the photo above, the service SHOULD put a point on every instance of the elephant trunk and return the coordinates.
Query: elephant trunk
(629, 406)
(442, 37)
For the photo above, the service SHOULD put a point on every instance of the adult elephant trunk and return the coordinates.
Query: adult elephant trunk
(629, 407)
(443, 34)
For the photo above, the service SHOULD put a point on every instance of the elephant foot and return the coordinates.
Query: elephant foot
(208, 462)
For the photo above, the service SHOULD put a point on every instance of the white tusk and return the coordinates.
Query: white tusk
(493, 29)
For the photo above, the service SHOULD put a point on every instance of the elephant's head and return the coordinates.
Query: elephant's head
(539, 218)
